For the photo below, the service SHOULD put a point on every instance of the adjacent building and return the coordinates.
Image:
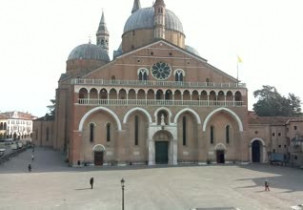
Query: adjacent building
(16, 125)
(157, 101)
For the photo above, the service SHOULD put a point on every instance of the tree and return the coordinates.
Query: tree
(51, 109)
(272, 103)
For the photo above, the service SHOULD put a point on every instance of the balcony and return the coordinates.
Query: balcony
(137, 83)
(148, 102)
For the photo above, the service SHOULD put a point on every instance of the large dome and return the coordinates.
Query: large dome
(144, 18)
(88, 52)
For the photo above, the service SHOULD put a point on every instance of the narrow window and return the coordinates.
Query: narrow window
(47, 134)
(212, 129)
(145, 76)
(108, 132)
(91, 132)
(295, 127)
(227, 134)
(136, 130)
(140, 76)
(184, 131)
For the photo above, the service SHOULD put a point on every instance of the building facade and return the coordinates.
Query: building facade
(16, 125)
(158, 101)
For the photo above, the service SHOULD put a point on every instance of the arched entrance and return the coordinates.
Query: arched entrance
(256, 151)
(162, 147)
(220, 156)
(98, 154)
(220, 153)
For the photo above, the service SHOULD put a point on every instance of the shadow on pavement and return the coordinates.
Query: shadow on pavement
(280, 177)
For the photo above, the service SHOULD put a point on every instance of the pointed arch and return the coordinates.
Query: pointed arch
(233, 114)
(113, 114)
(166, 109)
(188, 110)
(137, 109)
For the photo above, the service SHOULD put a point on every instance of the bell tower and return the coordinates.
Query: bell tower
(159, 19)
(103, 35)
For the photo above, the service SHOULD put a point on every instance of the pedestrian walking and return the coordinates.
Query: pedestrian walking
(33, 157)
(91, 182)
(266, 184)
(29, 167)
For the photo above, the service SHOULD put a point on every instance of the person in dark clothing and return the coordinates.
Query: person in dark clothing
(91, 182)
(266, 184)
(29, 167)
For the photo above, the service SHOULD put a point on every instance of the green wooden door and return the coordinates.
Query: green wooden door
(162, 152)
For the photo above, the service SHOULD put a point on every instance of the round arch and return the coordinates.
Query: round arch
(262, 150)
(98, 148)
(187, 110)
(233, 114)
(220, 146)
(166, 109)
(113, 114)
(257, 139)
(137, 109)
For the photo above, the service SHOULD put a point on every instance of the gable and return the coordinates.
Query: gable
(127, 66)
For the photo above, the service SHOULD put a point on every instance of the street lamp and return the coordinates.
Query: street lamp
(122, 186)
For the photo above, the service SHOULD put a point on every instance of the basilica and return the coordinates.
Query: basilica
(156, 102)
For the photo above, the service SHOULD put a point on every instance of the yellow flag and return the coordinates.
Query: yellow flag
(239, 60)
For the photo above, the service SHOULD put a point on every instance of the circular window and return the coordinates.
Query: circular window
(161, 70)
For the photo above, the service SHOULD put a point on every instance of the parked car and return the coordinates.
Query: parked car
(2, 151)
(8, 141)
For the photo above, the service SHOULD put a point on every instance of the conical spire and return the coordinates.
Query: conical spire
(102, 25)
(102, 34)
(137, 6)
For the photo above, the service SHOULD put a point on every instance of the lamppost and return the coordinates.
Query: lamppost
(122, 186)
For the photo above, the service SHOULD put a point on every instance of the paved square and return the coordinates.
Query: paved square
(53, 185)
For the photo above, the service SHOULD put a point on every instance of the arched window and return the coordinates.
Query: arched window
(212, 134)
(1, 126)
(159, 95)
(108, 132)
(184, 130)
(136, 130)
(91, 132)
(227, 133)
(5, 126)
(179, 75)
(168, 95)
(143, 74)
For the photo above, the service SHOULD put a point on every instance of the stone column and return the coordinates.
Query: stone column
(174, 143)
(151, 152)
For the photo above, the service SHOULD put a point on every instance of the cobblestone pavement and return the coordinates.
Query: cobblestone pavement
(53, 185)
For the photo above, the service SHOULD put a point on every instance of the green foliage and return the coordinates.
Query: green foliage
(51, 109)
(271, 103)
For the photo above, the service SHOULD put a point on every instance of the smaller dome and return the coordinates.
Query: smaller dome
(88, 52)
(192, 50)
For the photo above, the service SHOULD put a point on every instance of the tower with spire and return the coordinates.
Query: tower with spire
(159, 19)
(103, 35)
(136, 6)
